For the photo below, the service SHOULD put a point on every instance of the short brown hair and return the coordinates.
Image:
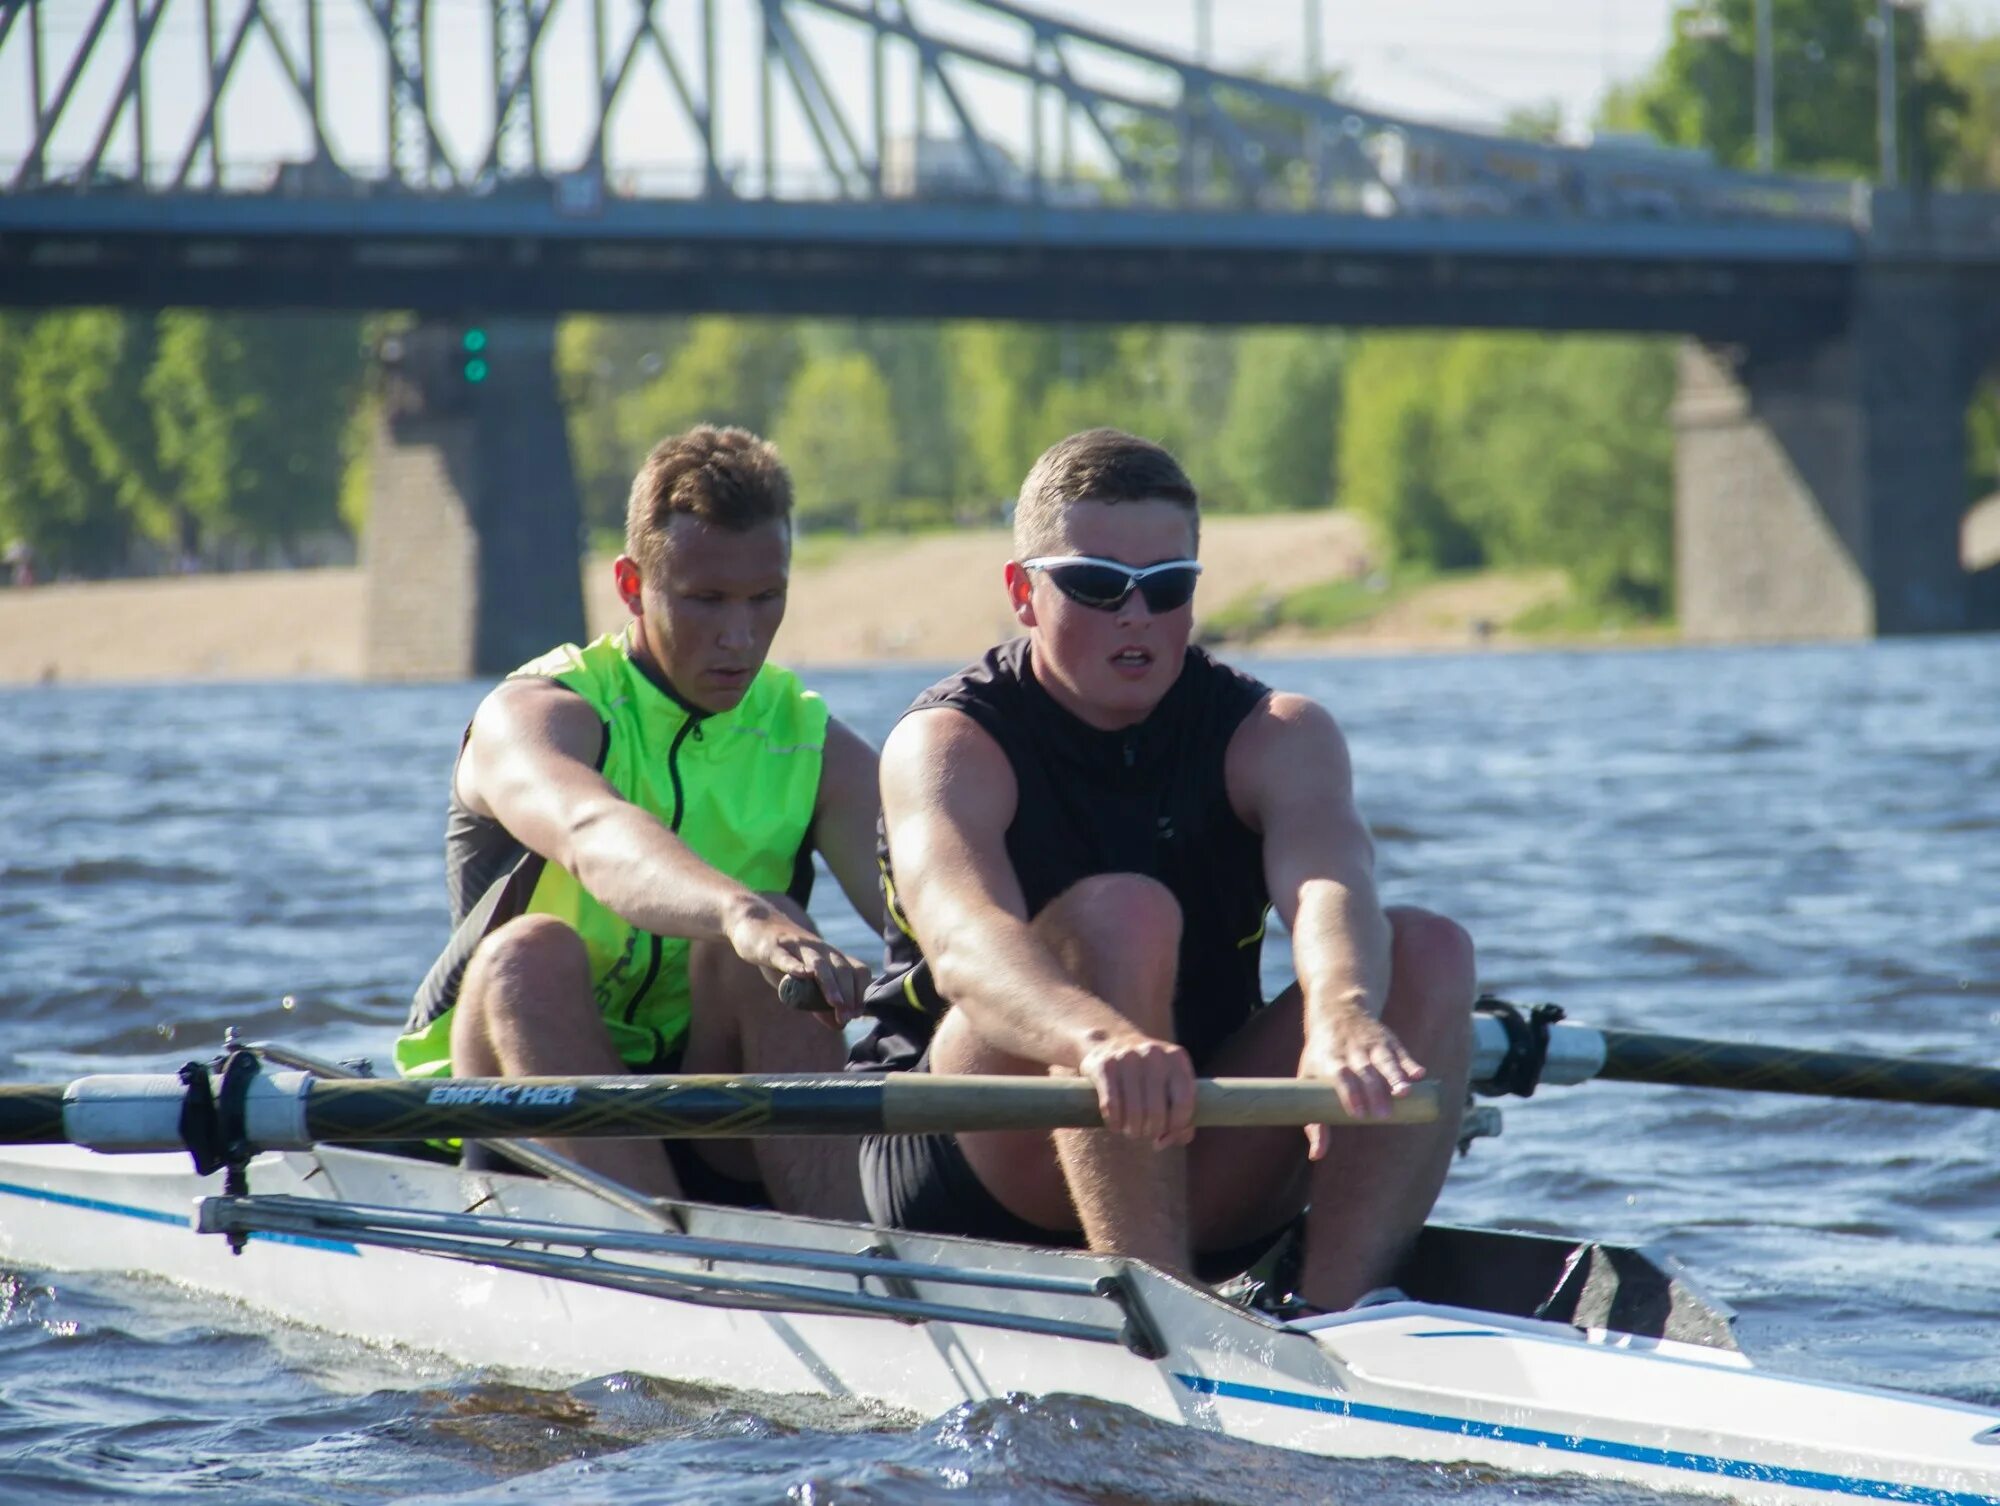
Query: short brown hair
(1098, 465)
(728, 477)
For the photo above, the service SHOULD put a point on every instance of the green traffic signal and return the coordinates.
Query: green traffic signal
(472, 340)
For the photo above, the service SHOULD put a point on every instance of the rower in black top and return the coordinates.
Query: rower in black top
(1080, 834)
(1147, 799)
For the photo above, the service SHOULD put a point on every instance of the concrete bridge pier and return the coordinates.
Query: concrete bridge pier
(473, 535)
(1820, 484)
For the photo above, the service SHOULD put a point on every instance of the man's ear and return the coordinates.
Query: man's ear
(1021, 594)
(625, 571)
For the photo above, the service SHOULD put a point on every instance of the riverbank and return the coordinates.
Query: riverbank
(259, 625)
(934, 598)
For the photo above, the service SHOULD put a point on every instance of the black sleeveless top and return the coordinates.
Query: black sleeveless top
(1148, 799)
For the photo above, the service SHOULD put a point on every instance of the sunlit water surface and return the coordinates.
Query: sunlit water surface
(1795, 845)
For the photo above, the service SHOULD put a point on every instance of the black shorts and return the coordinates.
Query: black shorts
(924, 1184)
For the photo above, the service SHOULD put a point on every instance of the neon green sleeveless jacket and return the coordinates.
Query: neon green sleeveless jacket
(737, 786)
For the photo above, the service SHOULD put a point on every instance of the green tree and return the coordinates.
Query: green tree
(1391, 466)
(1523, 449)
(1002, 373)
(912, 357)
(251, 414)
(1824, 58)
(79, 482)
(923, 394)
(357, 470)
(728, 371)
(1188, 374)
(1971, 64)
(599, 363)
(1982, 434)
(839, 439)
(1561, 454)
(1278, 439)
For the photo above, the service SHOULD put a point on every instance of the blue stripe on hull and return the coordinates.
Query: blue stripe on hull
(155, 1216)
(1711, 1465)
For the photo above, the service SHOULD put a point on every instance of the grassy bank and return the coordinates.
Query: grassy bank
(1423, 606)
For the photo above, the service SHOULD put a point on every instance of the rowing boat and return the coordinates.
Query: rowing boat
(1523, 1352)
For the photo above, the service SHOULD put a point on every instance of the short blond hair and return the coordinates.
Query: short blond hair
(1098, 465)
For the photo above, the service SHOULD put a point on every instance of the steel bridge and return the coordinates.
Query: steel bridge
(517, 159)
(924, 157)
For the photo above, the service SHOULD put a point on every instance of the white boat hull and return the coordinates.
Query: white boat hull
(1413, 1380)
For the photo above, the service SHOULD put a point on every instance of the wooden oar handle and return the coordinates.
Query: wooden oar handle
(928, 1103)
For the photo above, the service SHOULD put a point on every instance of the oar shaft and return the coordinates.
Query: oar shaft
(728, 1107)
(1637, 1056)
(1577, 1053)
(290, 1110)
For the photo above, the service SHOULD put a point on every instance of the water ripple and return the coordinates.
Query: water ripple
(85, 872)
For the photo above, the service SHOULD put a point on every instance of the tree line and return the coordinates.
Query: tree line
(130, 440)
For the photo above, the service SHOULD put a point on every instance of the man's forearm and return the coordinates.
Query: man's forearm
(1019, 997)
(1340, 948)
(648, 877)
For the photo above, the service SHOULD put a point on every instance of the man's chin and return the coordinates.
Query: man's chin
(1115, 693)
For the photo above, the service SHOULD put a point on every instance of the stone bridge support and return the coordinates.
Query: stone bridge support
(1820, 484)
(472, 541)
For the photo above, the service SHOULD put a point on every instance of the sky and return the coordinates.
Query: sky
(1465, 62)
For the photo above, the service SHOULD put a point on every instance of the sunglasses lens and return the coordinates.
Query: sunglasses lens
(1093, 585)
(1169, 590)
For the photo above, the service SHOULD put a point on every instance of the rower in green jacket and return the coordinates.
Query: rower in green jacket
(630, 837)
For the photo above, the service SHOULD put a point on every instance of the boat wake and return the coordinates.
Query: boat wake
(1012, 1451)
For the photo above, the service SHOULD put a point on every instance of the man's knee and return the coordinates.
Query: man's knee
(533, 953)
(1115, 909)
(1433, 964)
(1119, 935)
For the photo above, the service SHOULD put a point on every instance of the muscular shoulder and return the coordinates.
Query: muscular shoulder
(1285, 739)
(533, 709)
(530, 719)
(940, 759)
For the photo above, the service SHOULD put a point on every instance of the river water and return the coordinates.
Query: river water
(1797, 845)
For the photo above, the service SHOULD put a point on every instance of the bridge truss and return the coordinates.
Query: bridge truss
(766, 100)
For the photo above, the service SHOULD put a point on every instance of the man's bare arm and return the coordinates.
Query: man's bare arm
(844, 819)
(1290, 778)
(948, 796)
(531, 764)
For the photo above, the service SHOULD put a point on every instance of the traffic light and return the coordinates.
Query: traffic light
(472, 346)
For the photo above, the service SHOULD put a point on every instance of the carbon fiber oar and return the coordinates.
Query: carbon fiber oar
(1513, 1052)
(291, 1110)
(1636, 1056)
